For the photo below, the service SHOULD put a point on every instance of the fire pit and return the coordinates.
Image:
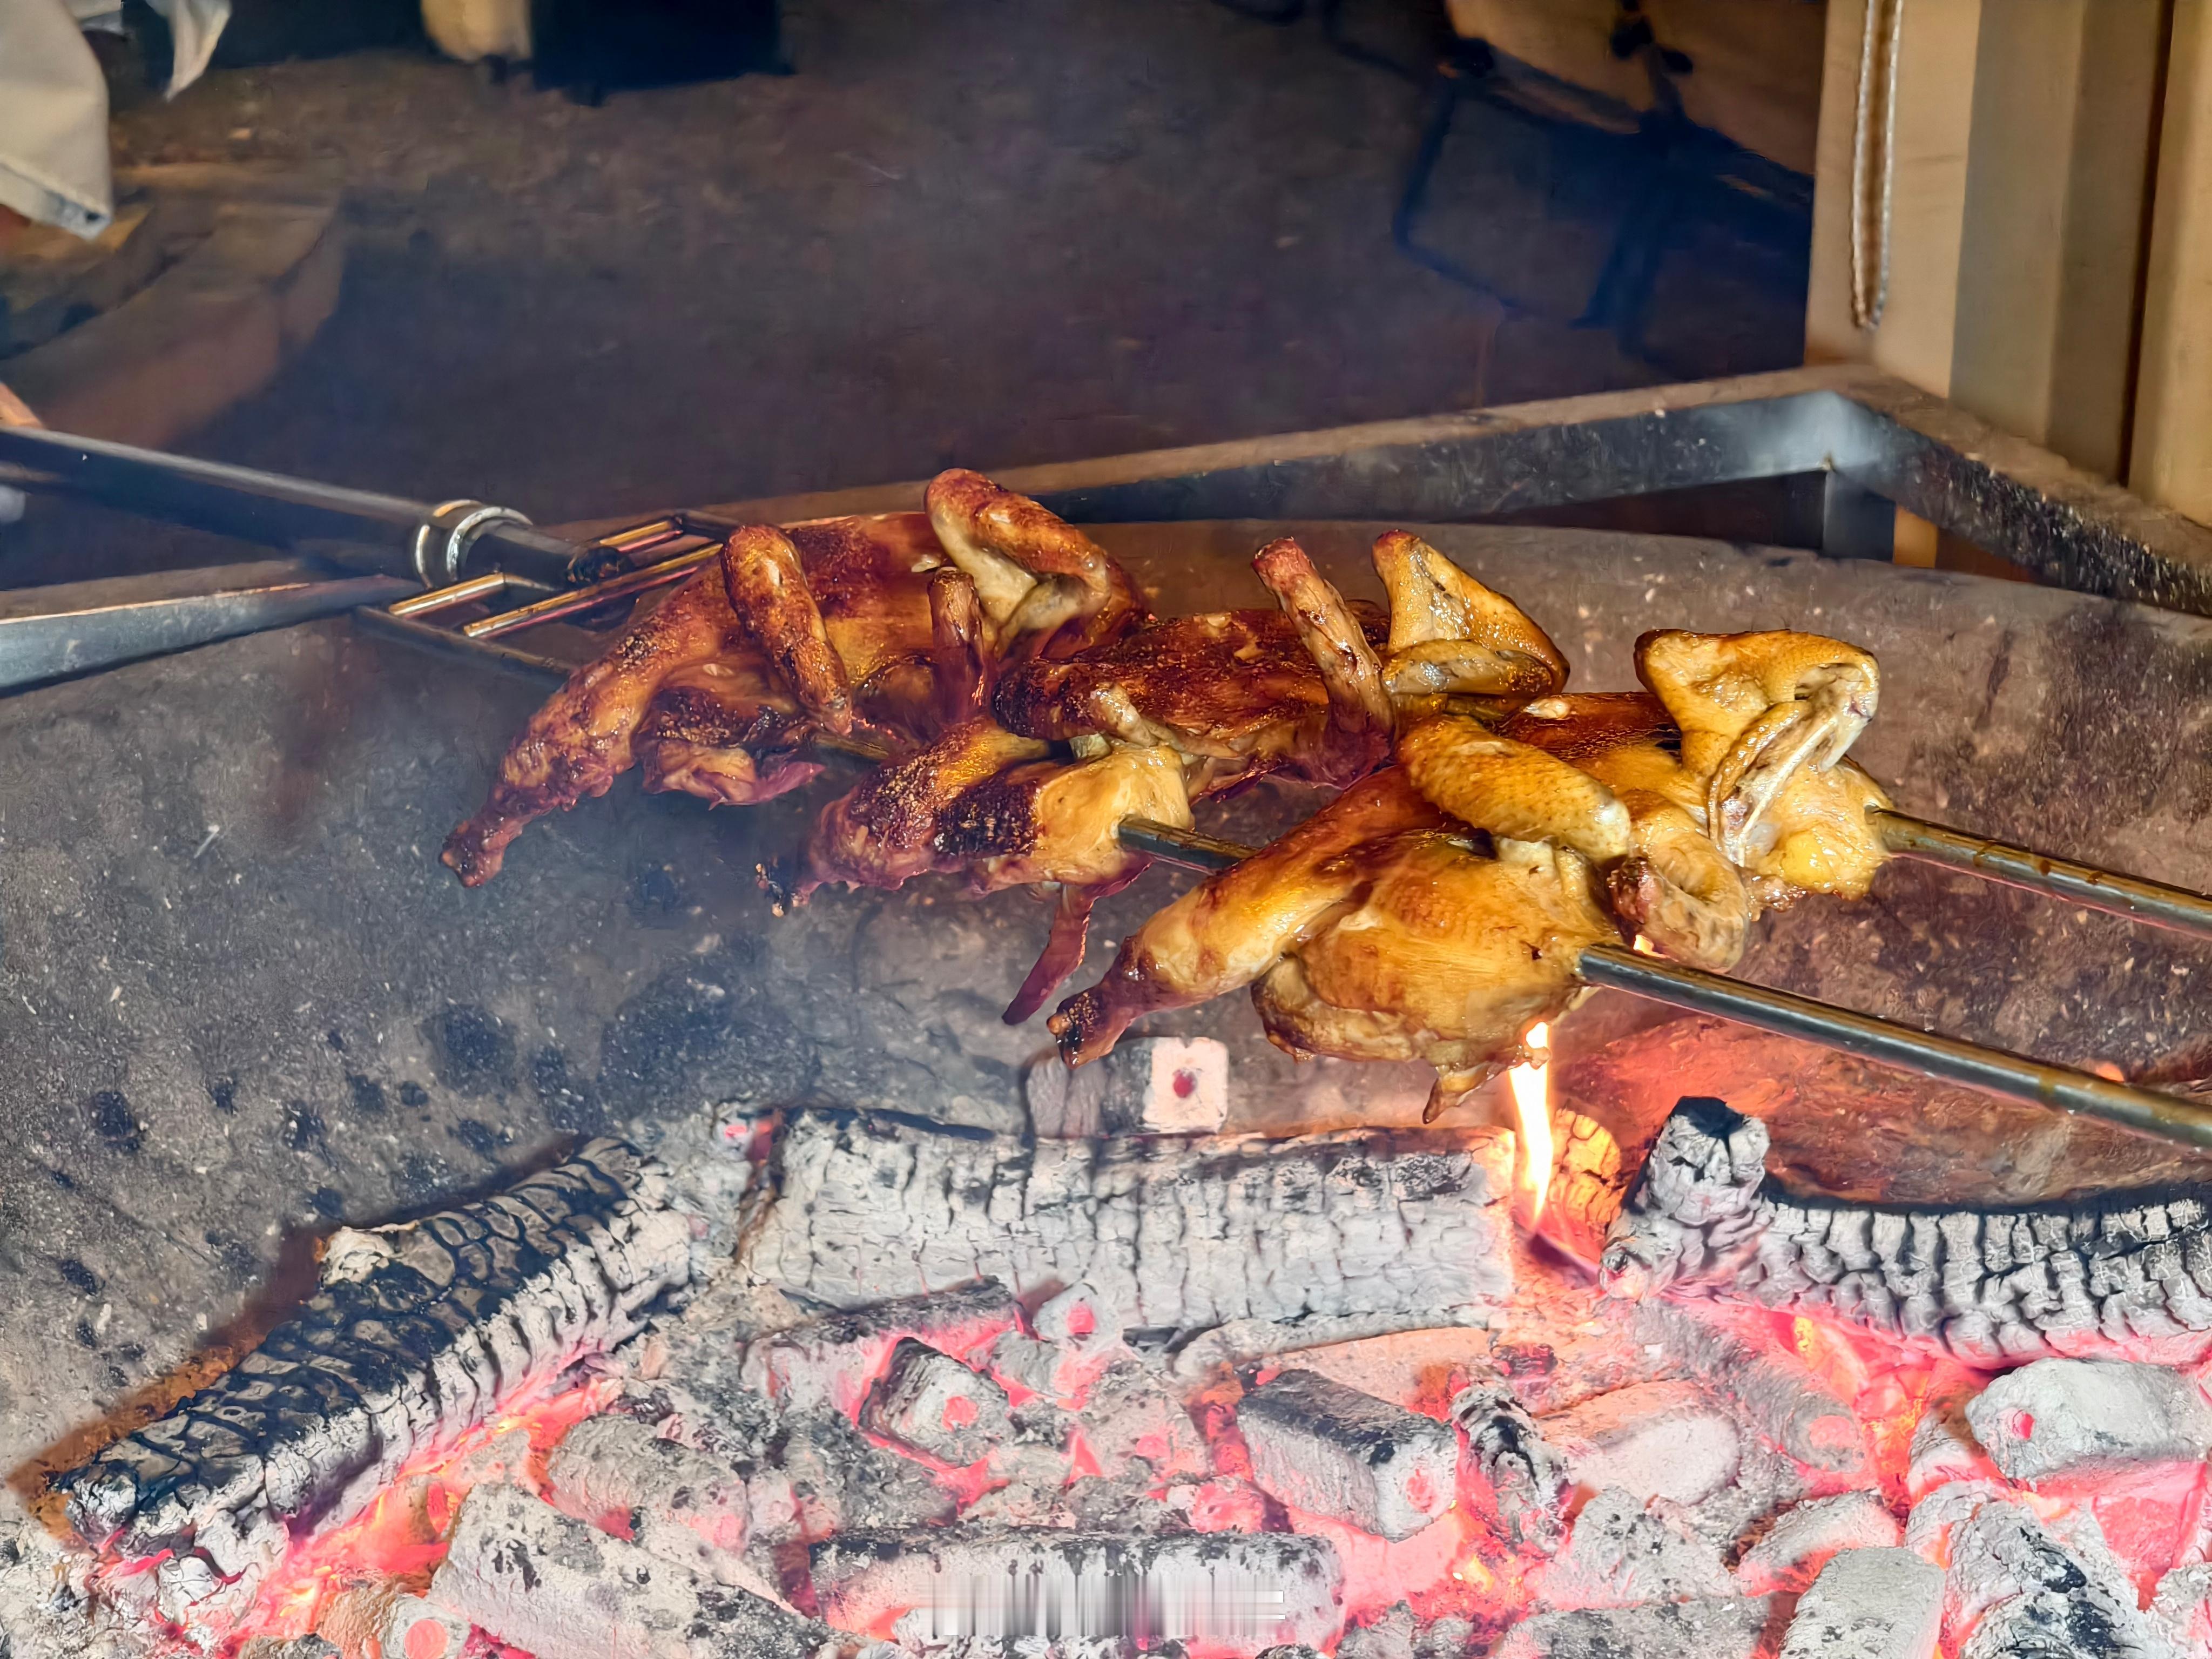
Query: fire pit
(856, 1325)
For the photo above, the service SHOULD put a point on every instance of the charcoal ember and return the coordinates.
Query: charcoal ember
(1667, 1439)
(1739, 1627)
(1290, 1650)
(1078, 1334)
(1767, 1482)
(1250, 1591)
(678, 1503)
(2069, 1416)
(1774, 1393)
(1389, 1635)
(536, 1579)
(1331, 1450)
(2183, 1604)
(1874, 1603)
(930, 1402)
(1804, 1539)
(1131, 1420)
(2016, 1584)
(1620, 1553)
(1527, 1477)
(841, 1479)
(415, 1627)
(314, 1647)
(1179, 1234)
(414, 1332)
(2110, 1276)
(1943, 1448)
(1159, 1085)
(832, 1361)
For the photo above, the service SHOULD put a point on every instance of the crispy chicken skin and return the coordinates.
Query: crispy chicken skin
(1377, 929)
(837, 625)
(1239, 694)
(1451, 637)
(1045, 586)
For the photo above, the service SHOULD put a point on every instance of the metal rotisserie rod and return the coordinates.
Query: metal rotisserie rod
(2147, 1111)
(2129, 896)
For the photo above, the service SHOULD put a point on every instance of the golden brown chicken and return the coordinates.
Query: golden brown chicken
(1454, 643)
(869, 622)
(1380, 928)
(1239, 694)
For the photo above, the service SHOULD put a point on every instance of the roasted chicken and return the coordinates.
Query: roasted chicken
(1381, 928)
(1238, 694)
(892, 625)
(1440, 909)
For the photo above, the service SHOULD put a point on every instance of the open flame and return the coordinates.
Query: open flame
(1531, 1084)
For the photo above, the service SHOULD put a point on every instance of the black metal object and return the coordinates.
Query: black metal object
(1331, 14)
(1682, 172)
(361, 528)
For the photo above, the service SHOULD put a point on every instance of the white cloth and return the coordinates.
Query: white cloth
(194, 25)
(53, 119)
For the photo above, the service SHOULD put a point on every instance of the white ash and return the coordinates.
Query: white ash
(1874, 1603)
(842, 1480)
(1248, 1590)
(1620, 1553)
(1319, 1446)
(1078, 1334)
(1156, 1085)
(1767, 1482)
(2183, 1604)
(1240, 1341)
(931, 1404)
(678, 1503)
(2018, 1586)
(1131, 1415)
(1805, 1538)
(2071, 1417)
(1738, 1627)
(1180, 1234)
(1527, 1477)
(1774, 1393)
(534, 1578)
(1943, 1446)
(1670, 1440)
(831, 1361)
(414, 1335)
(1990, 1286)
(1389, 1635)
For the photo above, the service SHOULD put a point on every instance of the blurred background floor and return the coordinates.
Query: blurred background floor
(983, 232)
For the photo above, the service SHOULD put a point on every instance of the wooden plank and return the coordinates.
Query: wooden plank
(2172, 459)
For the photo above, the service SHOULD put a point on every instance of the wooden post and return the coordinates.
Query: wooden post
(2171, 462)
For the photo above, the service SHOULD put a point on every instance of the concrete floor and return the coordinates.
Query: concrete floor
(967, 230)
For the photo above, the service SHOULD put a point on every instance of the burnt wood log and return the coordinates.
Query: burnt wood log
(2119, 1274)
(415, 1334)
(1177, 1234)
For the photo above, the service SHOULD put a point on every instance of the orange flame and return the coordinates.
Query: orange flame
(1532, 1105)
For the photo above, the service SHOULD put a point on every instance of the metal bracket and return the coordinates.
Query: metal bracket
(442, 541)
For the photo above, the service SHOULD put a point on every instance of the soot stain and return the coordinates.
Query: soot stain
(366, 1093)
(81, 1278)
(472, 1049)
(114, 1123)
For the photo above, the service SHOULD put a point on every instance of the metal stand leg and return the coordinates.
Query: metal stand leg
(1855, 523)
(1458, 77)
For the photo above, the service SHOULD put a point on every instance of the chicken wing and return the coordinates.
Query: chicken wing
(1045, 586)
(1451, 637)
(1239, 694)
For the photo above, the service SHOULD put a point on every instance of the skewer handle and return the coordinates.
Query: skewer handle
(2129, 896)
(2144, 1111)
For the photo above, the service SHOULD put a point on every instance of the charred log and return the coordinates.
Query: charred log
(1990, 1286)
(1527, 1477)
(415, 1334)
(1178, 1234)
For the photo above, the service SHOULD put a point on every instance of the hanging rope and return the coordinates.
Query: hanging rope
(1874, 148)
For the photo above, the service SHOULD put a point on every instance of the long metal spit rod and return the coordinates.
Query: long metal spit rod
(2129, 896)
(2147, 1111)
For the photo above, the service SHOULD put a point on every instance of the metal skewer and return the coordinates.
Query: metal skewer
(2147, 1111)
(2129, 896)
